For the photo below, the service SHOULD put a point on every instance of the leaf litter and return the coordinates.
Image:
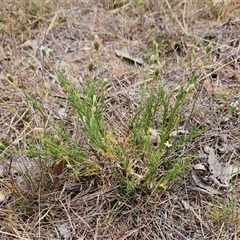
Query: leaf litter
(127, 56)
(218, 181)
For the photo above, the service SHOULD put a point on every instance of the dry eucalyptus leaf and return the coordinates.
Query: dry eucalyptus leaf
(126, 55)
(198, 180)
(186, 204)
(226, 148)
(57, 171)
(30, 44)
(62, 114)
(199, 166)
(233, 170)
(64, 230)
(221, 183)
(203, 186)
(214, 166)
(226, 175)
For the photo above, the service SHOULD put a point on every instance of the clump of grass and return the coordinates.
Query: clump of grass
(227, 214)
(138, 165)
(152, 167)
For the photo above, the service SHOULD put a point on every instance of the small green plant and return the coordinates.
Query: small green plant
(166, 106)
(227, 214)
(89, 110)
(208, 49)
(139, 165)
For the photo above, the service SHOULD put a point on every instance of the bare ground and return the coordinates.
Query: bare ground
(175, 37)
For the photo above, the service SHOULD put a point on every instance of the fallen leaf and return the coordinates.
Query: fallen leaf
(57, 171)
(33, 44)
(214, 166)
(228, 172)
(64, 230)
(218, 182)
(186, 204)
(126, 55)
(233, 170)
(225, 176)
(203, 185)
(226, 148)
(199, 166)
(62, 113)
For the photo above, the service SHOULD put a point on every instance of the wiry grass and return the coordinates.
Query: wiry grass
(139, 165)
